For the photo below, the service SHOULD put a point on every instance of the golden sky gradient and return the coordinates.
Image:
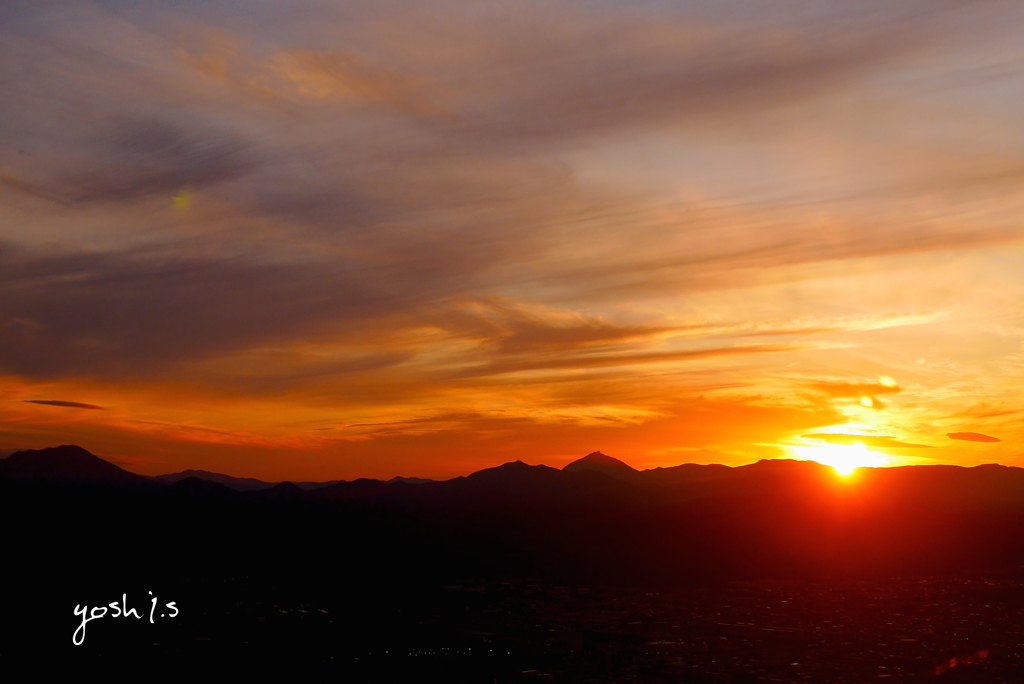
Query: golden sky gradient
(320, 240)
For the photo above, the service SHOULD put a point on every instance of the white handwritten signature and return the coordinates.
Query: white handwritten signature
(116, 610)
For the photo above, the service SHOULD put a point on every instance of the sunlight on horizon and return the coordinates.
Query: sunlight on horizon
(843, 458)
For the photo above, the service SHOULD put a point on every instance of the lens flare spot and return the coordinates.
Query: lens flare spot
(183, 200)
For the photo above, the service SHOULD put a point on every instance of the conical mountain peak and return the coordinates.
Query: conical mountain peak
(603, 464)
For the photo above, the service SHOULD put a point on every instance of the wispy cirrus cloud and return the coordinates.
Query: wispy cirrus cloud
(68, 404)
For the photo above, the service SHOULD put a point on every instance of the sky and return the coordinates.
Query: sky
(324, 239)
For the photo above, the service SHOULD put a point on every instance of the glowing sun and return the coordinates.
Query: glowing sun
(844, 458)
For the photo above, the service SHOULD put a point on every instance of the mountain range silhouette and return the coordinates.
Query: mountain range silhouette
(597, 516)
(593, 473)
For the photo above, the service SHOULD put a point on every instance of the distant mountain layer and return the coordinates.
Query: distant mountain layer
(249, 484)
(71, 464)
(241, 484)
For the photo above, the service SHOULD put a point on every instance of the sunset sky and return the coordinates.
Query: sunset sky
(327, 239)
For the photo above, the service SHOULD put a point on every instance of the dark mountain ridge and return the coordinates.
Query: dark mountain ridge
(67, 464)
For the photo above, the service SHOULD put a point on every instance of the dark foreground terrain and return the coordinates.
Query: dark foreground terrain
(779, 571)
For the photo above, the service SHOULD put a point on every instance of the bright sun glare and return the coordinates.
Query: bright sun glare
(844, 458)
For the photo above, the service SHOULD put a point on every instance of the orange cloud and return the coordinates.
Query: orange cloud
(314, 74)
(972, 437)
